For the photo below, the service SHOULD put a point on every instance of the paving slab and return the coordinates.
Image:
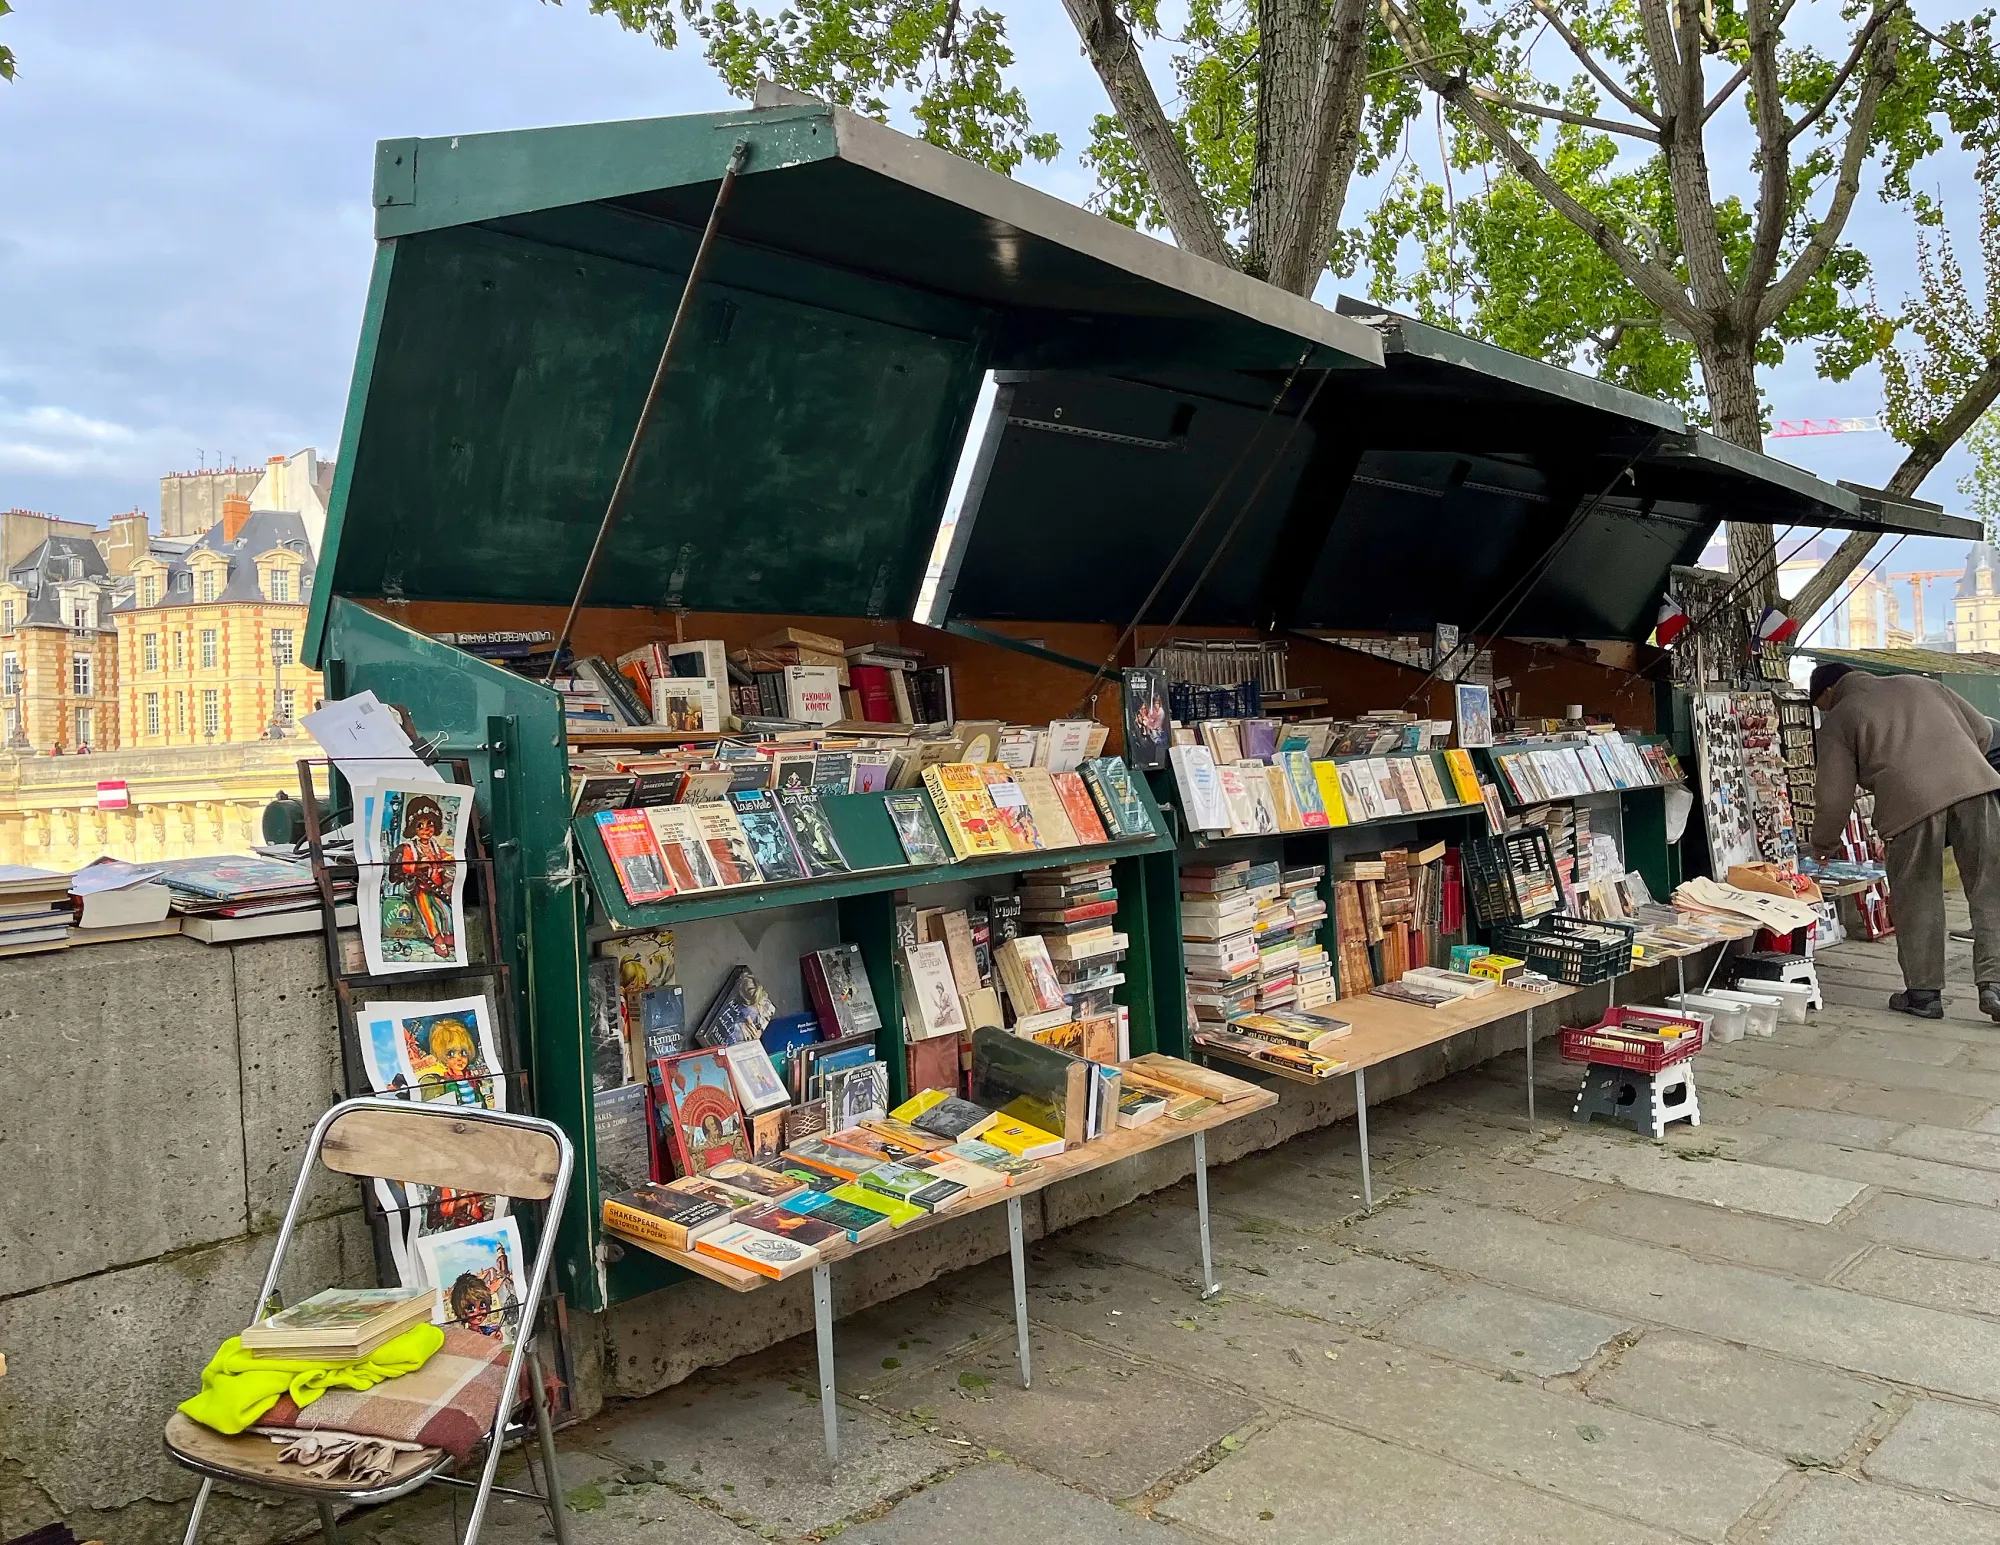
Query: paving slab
(1732, 1078)
(1802, 1413)
(1867, 1068)
(1643, 1165)
(1715, 1233)
(1500, 1330)
(1867, 1099)
(1834, 1510)
(987, 1501)
(1505, 1425)
(1894, 1172)
(1109, 1424)
(1939, 1446)
(747, 1440)
(1949, 1145)
(1925, 1347)
(1497, 1181)
(1941, 1228)
(1964, 1287)
(1827, 1126)
(1306, 1271)
(1302, 1483)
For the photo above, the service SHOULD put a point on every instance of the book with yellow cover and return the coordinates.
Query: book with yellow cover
(898, 1211)
(965, 810)
(920, 1102)
(1045, 806)
(1022, 1140)
(1463, 778)
(1327, 775)
(1282, 803)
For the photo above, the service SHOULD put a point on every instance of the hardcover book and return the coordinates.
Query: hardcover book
(769, 837)
(837, 985)
(758, 1088)
(910, 813)
(1117, 799)
(690, 703)
(349, 1322)
(741, 1011)
(1079, 807)
(812, 832)
(1045, 807)
(704, 1123)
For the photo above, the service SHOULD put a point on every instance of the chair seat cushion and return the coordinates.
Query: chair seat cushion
(254, 1459)
(448, 1403)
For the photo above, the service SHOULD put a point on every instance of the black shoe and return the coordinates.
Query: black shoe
(1989, 999)
(1927, 1005)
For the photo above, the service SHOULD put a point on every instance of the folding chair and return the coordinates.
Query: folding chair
(467, 1150)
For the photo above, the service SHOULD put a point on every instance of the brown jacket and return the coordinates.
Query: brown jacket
(1915, 743)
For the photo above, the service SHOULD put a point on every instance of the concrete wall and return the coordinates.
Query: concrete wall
(155, 1098)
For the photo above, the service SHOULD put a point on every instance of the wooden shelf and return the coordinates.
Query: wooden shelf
(1125, 1143)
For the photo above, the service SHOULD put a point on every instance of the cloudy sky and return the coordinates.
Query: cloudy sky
(185, 242)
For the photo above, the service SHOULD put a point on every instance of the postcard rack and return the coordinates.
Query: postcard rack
(348, 982)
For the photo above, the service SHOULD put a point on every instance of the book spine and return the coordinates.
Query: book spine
(643, 1225)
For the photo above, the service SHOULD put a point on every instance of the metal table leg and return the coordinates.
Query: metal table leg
(1531, 1065)
(1209, 1286)
(1681, 973)
(823, 1330)
(1361, 1121)
(1611, 993)
(1014, 1245)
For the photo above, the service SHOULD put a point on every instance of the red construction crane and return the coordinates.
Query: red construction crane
(1795, 428)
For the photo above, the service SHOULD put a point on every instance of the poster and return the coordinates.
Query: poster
(479, 1275)
(410, 848)
(1475, 715)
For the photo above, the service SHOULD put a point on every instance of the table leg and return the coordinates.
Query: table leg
(1531, 1066)
(1611, 993)
(1209, 1286)
(1681, 973)
(1361, 1121)
(1019, 1253)
(823, 1329)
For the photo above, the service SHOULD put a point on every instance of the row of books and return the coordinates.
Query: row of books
(758, 836)
(1377, 733)
(1251, 939)
(1599, 764)
(1292, 792)
(935, 1152)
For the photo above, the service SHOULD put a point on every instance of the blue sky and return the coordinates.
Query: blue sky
(187, 232)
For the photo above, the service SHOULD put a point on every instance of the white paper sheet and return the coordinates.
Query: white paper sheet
(363, 738)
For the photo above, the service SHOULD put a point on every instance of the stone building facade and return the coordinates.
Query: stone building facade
(58, 650)
(209, 638)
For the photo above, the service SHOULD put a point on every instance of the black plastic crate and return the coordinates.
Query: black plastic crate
(1494, 869)
(1568, 949)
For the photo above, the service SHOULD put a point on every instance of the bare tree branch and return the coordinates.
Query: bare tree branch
(1933, 446)
(1840, 78)
(1657, 284)
(1854, 154)
(1729, 87)
(1604, 78)
(1563, 115)
(1686, 154)
(1773, 155)
(1114, 54)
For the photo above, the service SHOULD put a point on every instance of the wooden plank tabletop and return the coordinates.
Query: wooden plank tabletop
(1125, 1143)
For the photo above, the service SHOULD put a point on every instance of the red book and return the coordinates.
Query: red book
(1079, 807)
(695, 1101)
(878, 699)
(635, 855)
(933, 1064)
(1070, 914)
(817, 994)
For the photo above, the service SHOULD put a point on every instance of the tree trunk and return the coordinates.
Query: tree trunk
(1281, 173)
(1730, 374)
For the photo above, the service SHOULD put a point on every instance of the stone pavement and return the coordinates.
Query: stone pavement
(1781, 1328)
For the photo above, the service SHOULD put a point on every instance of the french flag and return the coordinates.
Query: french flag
(1776, 626)
(1673, 622)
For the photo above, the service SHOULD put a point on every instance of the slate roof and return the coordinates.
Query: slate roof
(264, 530)
(57, 562)
(1978, 556)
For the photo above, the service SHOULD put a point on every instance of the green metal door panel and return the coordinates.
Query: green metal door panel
(1982, 692)
(797, 463)
(1646, 850)
(523, 792)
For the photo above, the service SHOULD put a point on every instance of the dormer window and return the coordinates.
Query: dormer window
(149, 590)
(208, 584)
(280, 586)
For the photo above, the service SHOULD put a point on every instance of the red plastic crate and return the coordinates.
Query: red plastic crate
(1585, 1043)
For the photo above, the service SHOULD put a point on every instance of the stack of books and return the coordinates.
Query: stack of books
(34, 910)
(1314, 971)
(233, 897)
(1219, 934)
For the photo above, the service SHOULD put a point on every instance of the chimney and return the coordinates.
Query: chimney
(235, 515)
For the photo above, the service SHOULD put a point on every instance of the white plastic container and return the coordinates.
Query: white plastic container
(1727, 1019)
(1760, 1009)
(1794, 998)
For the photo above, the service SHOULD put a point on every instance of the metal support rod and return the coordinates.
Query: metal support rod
(829, 1413)
(1209, 1286)
(1531, 1066)
(683, 309)
(1611, 993)
(1018, 1251)
(1361, 1121)
(1681, 973)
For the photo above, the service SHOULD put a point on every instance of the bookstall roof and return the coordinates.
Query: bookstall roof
(862, 285)
(1461, 484)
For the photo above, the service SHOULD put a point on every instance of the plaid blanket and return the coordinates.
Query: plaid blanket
(448, 1403)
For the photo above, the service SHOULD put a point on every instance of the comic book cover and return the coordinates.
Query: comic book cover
(411, 893)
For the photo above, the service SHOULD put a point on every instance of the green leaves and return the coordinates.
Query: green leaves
(948, 62)
(6, 54)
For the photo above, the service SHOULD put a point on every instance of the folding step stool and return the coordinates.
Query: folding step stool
(1646, 1102)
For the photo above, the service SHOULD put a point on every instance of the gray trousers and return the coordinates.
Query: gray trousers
(1915, 861)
